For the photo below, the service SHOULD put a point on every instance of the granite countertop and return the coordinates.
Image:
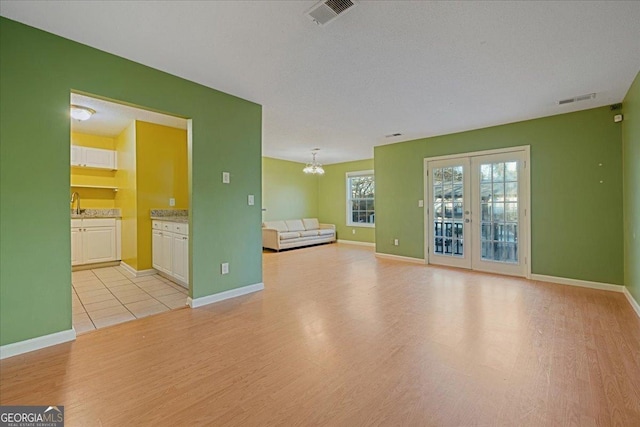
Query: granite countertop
(171, 215)
(96, 213)
(179, 218)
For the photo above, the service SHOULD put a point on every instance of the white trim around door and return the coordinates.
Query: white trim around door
(471, 212)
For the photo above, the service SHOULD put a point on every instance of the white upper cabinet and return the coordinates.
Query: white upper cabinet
(93, 158)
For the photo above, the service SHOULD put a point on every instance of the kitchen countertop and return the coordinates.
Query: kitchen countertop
(97, 213)
(181, 219)
(170, 215)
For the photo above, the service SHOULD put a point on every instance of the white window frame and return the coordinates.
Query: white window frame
(349, 175)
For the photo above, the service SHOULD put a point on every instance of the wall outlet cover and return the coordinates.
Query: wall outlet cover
(395, 242)
(421, 203)
(224, 268)
(226, 177)
(251, 200)
(172, 202)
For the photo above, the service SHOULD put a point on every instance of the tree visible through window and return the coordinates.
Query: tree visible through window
(361, 198)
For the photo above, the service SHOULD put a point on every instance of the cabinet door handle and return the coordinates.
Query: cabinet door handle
(184, 238)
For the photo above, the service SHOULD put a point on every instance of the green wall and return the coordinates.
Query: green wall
(37, 73)
(287, 192)
(333, 200)
(576, 222)
(631, 179)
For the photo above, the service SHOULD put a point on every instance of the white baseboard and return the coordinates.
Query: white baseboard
(632, 301)
(221, 296)
(400, 258)
(138, 273)
(591, 285)
(576, 282)
(20, 347)
(355, 242)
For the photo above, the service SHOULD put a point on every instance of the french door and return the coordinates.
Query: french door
(476, 211)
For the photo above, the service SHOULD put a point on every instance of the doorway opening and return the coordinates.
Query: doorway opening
(477, 212)
(129, 198)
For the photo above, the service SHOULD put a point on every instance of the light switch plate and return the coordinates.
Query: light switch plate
(226, 177)
(172, 202)
(421, 203)
(251, 200)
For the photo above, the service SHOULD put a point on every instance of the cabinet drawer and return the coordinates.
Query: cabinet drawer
(99, 222)
(156, 225)
(180, 228)
(76, 223)
(167, 226)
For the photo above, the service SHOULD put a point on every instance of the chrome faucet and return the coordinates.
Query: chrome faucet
(75, 197)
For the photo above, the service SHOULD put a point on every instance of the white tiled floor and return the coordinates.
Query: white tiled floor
(111, 295)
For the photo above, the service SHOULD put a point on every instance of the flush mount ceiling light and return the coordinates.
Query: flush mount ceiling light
(81, 113)
(314, 167)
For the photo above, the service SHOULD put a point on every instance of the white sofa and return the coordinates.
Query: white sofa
(294, 233)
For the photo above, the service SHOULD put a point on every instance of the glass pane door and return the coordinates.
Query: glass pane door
(449, 213)
(477, 207)
(498, 222)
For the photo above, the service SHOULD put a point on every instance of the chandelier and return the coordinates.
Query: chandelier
(314, 167)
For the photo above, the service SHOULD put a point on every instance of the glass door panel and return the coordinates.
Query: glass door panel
(448, 212)
(497, 227)
(476, 212)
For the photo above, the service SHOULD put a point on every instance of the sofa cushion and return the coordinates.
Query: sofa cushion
(294, 225)
(309, 233)
(289, 235)
(326, 232)
(278, 225)
(311, 223)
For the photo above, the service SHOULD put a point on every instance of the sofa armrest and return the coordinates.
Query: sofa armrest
(328, 226)
(271, 238)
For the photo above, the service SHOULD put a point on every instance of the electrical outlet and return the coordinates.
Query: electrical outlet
(172, 202)
(224, 268)
(226, 177)
(353, 231)
(395, 242)
(251, 200)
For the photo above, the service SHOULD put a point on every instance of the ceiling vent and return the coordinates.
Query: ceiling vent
(326, 11)
(577, 98)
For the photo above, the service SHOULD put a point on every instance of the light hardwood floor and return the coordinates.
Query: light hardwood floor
(340, 338)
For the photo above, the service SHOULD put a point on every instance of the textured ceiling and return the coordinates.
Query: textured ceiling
(111, 119)
(420, 68)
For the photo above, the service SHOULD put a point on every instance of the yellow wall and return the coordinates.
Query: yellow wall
(152, 167)
(161, 157)
(93, 198)
(125, 145)
(93, 141)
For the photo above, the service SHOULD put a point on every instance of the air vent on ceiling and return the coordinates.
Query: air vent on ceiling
(577, 98)
(327, 10)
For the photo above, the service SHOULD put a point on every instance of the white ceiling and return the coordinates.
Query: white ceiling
(416, 67)
(111, 118)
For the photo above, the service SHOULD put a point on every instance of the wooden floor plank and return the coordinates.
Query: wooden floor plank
(341, 338)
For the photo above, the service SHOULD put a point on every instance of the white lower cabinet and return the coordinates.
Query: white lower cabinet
(94, 240)
(170, 250)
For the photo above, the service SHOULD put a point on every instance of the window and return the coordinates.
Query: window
(360, 199)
